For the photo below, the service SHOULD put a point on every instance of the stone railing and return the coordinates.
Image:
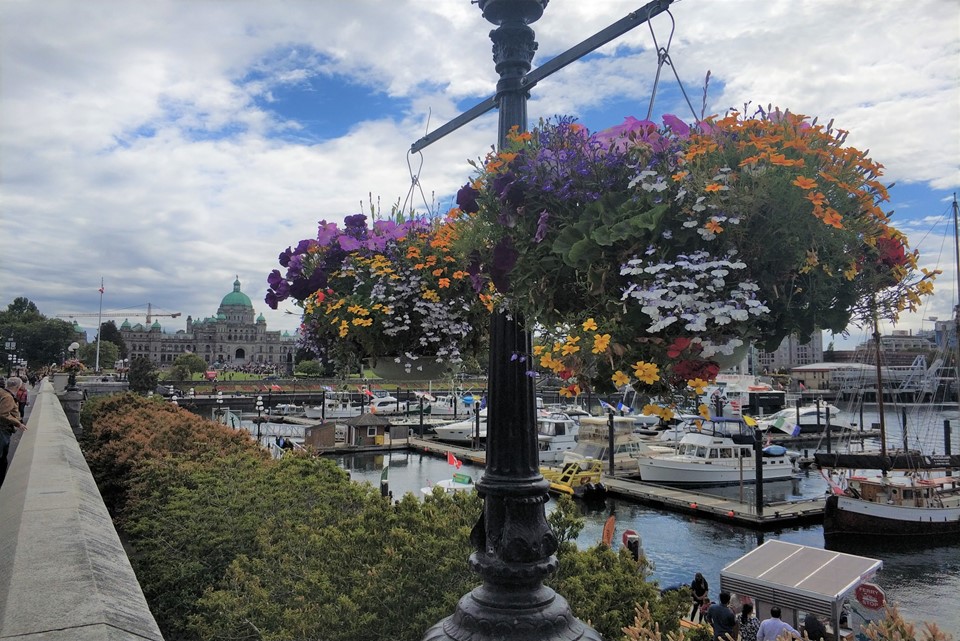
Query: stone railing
(63, 571)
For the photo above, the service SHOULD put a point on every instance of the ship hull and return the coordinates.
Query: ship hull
(848, 516)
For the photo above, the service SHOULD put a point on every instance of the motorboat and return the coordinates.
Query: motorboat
(719, 452)
(334, 407)
(557, 434)
(458, 483)
(810, 419)
(386, 405)
(464, 431)
(594, 441)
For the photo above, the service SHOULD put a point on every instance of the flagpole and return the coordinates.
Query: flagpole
(96, 366)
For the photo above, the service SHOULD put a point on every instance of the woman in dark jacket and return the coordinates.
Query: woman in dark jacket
(701, 591)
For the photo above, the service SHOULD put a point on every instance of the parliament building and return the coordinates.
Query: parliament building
(232, 339)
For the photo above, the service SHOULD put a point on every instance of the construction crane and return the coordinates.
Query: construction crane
(150, 315)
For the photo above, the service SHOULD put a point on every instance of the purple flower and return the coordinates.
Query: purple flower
(617, 135)
(677, 126)
(467, 199)
(541, 226)
(349, 244)
(326, 233)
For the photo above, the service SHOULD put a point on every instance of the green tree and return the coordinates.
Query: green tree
(109, 353)
(21, 310)
(309, 368)
(109, 332)
(185, 366)
(143, 376)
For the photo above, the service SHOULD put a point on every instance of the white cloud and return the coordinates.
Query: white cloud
(132, 145)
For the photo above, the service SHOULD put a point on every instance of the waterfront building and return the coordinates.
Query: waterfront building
(793, 351)
(232, 338)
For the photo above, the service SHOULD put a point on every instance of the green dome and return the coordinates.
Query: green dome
(261, 319)
(221, 316)
(126, 324)
(236, 297)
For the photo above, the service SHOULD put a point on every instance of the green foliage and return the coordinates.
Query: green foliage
(109, 353)
(566, 520)
(124, 432)
(109, 332)
(185, 366)
(143, 375)
(340, 574)
(309, 368)
(41, 341)
(603, 587)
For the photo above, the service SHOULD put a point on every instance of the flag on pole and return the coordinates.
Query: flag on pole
(605, 405)
(327, 388)
(624, 408)
(453, 460)
(101, 289)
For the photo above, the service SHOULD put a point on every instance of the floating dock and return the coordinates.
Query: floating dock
(775, 515)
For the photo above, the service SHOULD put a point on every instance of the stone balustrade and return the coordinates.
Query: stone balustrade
(64, 575)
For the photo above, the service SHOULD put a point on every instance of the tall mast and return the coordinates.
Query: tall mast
(877, 353)
(956, 309)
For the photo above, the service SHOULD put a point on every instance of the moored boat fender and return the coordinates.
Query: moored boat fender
(774, 450)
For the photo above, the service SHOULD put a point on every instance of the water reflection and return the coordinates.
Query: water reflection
(680, 545)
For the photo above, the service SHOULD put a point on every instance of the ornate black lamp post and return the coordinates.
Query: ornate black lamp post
(10, 346)
(259, 417)
(514, 543)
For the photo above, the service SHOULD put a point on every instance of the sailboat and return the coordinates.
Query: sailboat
(921, 500)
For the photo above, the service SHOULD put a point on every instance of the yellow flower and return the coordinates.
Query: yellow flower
(600, 343)
(344, 329)
(589, 325)
(570, 346)
(646, 372)
(703, 410)
(620, 379)
(698, 385)
(537, 350)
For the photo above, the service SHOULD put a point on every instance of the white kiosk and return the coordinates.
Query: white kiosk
(802, 580)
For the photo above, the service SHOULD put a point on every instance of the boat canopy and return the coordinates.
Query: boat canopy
(798, 577)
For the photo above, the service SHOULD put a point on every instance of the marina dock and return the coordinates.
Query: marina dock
(686, 501)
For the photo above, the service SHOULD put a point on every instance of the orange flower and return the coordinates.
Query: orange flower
(833, 218)
(620, 379)
(713, 226)
(443, 283)
(805, 183)
(817, 198)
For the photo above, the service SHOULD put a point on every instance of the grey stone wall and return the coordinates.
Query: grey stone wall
(64, 575)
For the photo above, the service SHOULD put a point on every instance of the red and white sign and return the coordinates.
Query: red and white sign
(870, 596)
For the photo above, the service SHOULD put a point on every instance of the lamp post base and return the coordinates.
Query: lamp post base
(483, 614)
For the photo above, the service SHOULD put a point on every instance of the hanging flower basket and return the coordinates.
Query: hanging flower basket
(657, 253)
(390, 288)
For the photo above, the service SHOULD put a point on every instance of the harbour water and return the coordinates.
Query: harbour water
(922, 581)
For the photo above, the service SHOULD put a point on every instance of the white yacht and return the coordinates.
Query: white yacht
(720, 451)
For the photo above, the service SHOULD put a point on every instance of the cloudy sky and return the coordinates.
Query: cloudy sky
(170, 146)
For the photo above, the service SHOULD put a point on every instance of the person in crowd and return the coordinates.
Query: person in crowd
(749, 624)
(22, 399)
(701, 590)
(772, 628)
(10, 419)
(814, 628)
(723, 619)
